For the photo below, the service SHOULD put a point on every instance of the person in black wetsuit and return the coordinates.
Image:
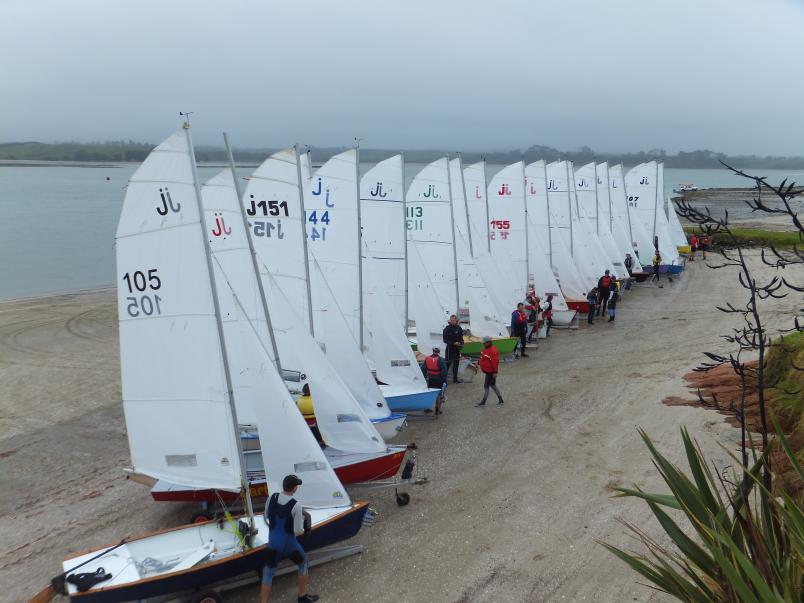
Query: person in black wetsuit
(453, 339)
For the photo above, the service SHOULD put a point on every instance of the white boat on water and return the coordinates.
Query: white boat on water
(685, 188)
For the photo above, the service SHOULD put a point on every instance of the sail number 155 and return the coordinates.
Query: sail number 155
(141, 284)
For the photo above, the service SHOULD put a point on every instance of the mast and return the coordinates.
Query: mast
(219, 324)
(655, 201)
(597, 208)
(454, 242)
(486, 197)
(527, 227)
(303, 213)
(608, 190)
(627, 208)
(253, 253)
(359, 245)
(405, 239)
(549, 217)
(569, 208)
(466, 207)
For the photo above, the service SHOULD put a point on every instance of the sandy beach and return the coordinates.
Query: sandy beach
(517, 495)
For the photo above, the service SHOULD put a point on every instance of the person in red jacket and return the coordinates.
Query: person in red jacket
(489, 364)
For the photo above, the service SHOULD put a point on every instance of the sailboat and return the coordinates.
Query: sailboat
(385, 289)
(609, 219)
(475, 273)
(275, 206)
(594, 220)
(501, 283)
(621, 208)
(180, 400)
(642, 190)
(353, 446)
(548, 279)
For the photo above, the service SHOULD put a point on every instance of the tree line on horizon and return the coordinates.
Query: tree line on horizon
(131, 151)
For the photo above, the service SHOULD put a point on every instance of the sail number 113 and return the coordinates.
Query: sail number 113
(143, 302)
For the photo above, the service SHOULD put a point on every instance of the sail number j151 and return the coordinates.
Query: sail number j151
(143, 303)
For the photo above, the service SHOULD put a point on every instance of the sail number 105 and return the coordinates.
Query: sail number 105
(140, 283)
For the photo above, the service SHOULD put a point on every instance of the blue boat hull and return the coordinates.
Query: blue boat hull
(413, 401)
(342, 528)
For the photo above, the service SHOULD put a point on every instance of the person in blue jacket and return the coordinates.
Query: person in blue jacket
(591, 299)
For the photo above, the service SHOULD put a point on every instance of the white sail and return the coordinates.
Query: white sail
(499, 277)
(595, 257)
(484, 318)
(641, 241)
(287, 444)
(175, 397)
(545, 279)
(430, 233)
(273, 205)
(383, 217)
(644, 203)
(506, 194)
(608, 220)
(385, 342)
(672, 225)
(565, 225)
(331, 199)
(676, 231)
(595, 221)
(387, 345)
(425, 308)
(339, 416)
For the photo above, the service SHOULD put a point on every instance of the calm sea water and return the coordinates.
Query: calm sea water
(57, 224)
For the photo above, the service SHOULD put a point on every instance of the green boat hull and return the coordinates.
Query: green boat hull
(505, 346)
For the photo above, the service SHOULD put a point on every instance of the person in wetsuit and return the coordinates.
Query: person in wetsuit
(285, 518)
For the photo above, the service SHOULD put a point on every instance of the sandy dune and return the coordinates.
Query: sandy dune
(517, 498)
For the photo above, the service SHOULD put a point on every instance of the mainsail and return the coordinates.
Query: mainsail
(641, 241)
(509, 243)
(641, 185)
(260, 393)
(177, 409)
(596, 220)
(545, 275)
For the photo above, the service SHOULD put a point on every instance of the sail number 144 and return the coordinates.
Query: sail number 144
(141, 284)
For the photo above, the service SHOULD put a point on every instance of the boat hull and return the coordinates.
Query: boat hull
(505, 345)
(342, 527)
(412, 401)
(350, 469)
(564, 318)
(582, 307)
(391, 426)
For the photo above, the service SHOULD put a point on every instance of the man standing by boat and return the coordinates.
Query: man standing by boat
(603, 293)
(519, 327)
(285, 518)
(489, 364)
(453, 339)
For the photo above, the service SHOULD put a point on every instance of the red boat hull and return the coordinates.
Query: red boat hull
(581, 307)
(382, 467)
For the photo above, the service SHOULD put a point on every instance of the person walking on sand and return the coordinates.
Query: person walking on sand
(704, 245)
(591, 299)
(519, 327)
(453, 339)
(603, 293)
(629, 264)
(532, 309)
(286, 522)
(489, 365)
(657, 261)
(693, 246)
(613, 297)
(547, 314)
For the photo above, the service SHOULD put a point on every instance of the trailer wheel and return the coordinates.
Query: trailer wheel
(402, 499)
(209, 596)
(201, 518)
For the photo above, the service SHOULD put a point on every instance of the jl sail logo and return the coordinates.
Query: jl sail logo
(552, 185)
(167, 203)
(504, 191)
(644, 180)
(378, 192)
(431, 193)
(220, 227)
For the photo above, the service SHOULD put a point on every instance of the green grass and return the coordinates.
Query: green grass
(755, 237)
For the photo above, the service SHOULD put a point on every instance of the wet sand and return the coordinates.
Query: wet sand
(517, 495)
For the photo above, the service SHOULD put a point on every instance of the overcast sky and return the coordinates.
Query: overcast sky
(616, 75)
